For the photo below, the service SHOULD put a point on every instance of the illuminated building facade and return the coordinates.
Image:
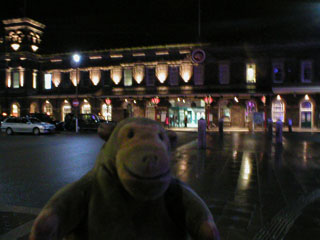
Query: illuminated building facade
(168, 83)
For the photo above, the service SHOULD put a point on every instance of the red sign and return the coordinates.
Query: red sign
(75, 102)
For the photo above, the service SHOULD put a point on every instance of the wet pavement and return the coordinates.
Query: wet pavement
(249, 183)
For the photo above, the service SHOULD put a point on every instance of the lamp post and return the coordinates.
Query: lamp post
(76, 59)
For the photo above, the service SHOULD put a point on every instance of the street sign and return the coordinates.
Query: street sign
(75, 102)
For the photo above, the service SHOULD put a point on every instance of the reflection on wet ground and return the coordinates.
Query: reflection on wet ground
(246, 179)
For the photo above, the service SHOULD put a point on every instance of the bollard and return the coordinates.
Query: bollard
(290, 125)
(279, 132)
(202, 133)
(270, 126)
(221, 126)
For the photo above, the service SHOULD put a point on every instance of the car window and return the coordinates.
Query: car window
(11, 120)
(34, 120)
(23, 120)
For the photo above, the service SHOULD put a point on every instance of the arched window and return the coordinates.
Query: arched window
(65, 109)
(15, 110)
(86, 107)
(306, 113)
(34, 107)
(278, 110)
(106, 111)
(47, 108)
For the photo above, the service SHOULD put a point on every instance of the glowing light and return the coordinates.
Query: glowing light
(278, 97)
(116, 74)
(66, 101)
(8, 78)
(134, 101)
(95, 76)
(155, 100)
(184, 101)
(208, 100)
(126, 100)
(251, 73)
(186, 71)
(47, 101)
(162, 72)
(75, 77)
(108, 101)
(306, 97)
(236, 99)
(15, 46)
(85, 100)
(34, 48)
(178, 99)
(76, 58)
(4, 114)
(56, 78)
(138, 73)
(21, 71)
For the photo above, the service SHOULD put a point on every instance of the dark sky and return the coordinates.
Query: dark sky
(89, 25)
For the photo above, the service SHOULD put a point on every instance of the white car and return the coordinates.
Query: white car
(26, 125)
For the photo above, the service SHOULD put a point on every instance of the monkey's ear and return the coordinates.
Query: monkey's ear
(173, 138)
(105, 130)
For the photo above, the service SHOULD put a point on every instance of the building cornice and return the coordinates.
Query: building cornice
(292, 90)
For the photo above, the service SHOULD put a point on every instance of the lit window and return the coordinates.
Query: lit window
(250, 109)
(224, 73)
(224, 111)
(86, 108)
(34, 79)
(278, 110)
(47, 108)
(47, 81)
(251, 73)
(128, 77)
(16, 79)
(15, 110)
(306, 71)
(277, 72)
(106, 111)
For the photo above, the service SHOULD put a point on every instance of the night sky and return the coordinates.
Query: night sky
(96, 25)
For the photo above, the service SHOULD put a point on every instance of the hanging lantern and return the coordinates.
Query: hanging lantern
(95, 75)
(116, 74)
(56, 78)
(108, 101)
(162, 72)
(208, 100)
(263, 99)
(75, 77)
(155, 100)
(186, 71)
(138, 73)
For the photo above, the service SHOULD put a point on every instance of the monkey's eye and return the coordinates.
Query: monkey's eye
(161, 136)
(131, 133)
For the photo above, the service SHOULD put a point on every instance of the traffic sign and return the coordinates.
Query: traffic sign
(75, 102)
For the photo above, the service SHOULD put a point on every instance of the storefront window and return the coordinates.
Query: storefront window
(66, 108)
(278, 110)
(33, 107)
(250, 108)
(224, 111)
(47, 108)
(86, 108)
(106, 111)
(15, 110)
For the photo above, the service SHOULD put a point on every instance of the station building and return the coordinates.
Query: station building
(172, 84)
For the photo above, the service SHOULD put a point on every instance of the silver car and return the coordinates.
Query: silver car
(25, 125)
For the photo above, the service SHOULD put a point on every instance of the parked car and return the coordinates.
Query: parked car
(85, 121)
(13, 125)
(45, 118)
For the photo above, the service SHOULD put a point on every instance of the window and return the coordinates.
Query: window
(277, 72)
(251, 107)
(128, 77)
(106, 111)
(306, 71)
(224, 73)
(47, 81)
(34, 79)
(278, 110)
(86, 108)
(251, 73)
(15, 110)
(224, 111)
(47, 108)
(16, 79)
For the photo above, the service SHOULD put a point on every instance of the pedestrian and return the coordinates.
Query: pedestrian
(202, 133)
(185, 121)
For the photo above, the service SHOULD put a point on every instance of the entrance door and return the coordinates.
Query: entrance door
(306, 119)
(237, 116)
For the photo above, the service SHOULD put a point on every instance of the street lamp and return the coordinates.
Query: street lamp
(76, 59)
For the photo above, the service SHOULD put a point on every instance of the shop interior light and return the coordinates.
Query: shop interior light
(236, 99)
